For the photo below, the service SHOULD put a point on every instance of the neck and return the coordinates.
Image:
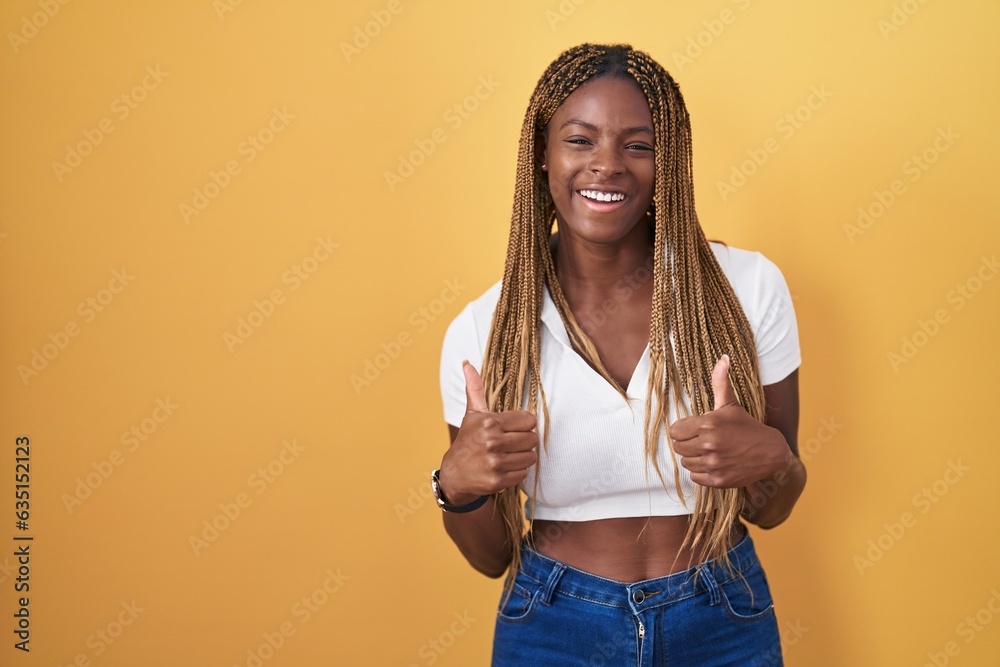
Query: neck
(591, 272)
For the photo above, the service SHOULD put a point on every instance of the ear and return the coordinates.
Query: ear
(541, 147)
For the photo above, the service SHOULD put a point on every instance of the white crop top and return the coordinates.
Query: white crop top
(595, 466)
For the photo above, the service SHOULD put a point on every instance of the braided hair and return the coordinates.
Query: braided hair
(694, 306)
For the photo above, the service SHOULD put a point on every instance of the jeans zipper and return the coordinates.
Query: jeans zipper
(642, 630)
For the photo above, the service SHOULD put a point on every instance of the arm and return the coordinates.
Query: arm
(770, 500)
(480, 535)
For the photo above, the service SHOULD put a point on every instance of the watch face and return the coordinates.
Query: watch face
(436, 489)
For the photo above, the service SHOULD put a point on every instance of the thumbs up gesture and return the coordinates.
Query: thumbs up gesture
(727, 448)
(492, 451)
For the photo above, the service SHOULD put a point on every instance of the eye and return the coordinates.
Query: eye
(579, 141)
(642, 147)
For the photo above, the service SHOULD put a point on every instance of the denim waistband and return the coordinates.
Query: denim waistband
(553, 575)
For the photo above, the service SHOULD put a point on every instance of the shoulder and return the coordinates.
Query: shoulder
(740, 265)
(763, 293)
(465, 339)
(749, 271)
(471, 325)
(482, 307)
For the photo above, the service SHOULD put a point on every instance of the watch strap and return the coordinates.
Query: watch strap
(458, 509)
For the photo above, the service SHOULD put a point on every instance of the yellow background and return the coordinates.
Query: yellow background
(350, 507)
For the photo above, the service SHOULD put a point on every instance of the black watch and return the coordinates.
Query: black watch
(439, 497)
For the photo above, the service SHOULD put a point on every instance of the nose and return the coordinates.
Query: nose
(607, 161)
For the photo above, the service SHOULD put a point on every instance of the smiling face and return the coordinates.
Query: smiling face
(599, 157)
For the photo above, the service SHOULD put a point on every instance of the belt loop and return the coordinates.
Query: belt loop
(550, 583)
(714, 596)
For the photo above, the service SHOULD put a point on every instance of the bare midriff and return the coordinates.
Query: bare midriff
(624, 549)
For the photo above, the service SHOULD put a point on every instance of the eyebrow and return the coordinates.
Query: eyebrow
(593, 128)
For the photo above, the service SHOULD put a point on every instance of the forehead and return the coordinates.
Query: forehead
(605, 101)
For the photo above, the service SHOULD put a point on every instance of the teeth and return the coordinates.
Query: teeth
(597, 195)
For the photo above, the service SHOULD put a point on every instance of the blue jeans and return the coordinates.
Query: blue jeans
(559, 615)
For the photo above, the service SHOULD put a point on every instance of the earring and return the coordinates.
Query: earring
(545, 167)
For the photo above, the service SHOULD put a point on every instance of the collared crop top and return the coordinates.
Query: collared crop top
(595, 466)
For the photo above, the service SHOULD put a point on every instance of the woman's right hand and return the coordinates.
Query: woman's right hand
(493, 450)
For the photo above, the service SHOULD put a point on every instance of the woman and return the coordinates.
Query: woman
(626, 365)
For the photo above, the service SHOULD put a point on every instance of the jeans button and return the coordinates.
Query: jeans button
(638, 596)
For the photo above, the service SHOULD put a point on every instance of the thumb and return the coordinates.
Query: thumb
(475, 394)
(722, 388)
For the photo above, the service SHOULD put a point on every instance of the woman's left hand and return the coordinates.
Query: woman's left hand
(727, 448)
